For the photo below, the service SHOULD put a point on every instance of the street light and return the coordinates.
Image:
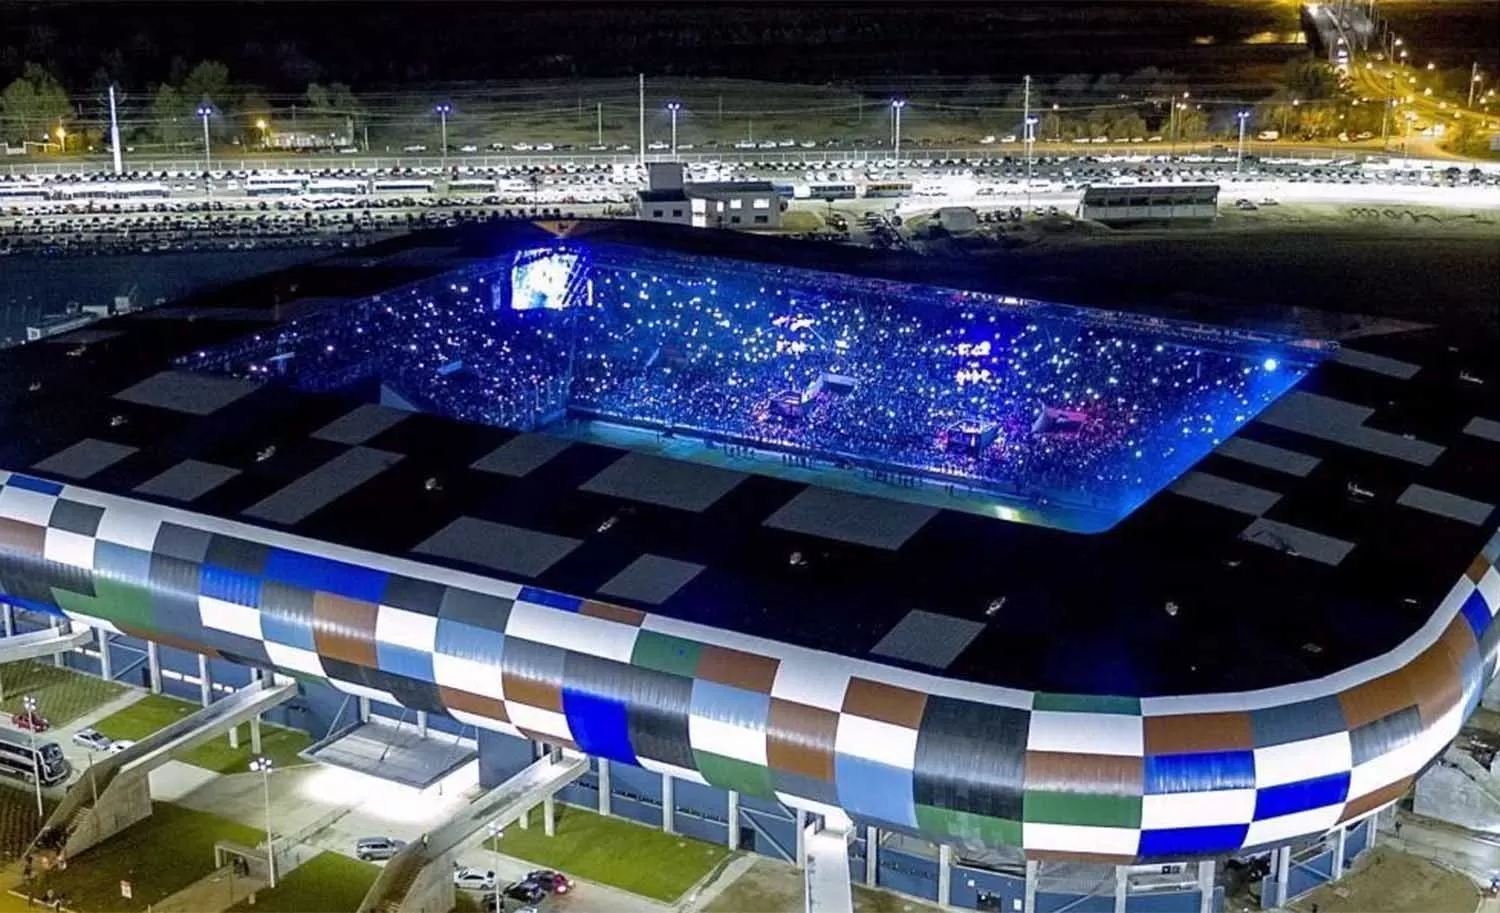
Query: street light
(1177, 106)
(674, 107)
(495, 831)
(444, 109)
(62, 140)
(896, 105)
(262, 126)
(1028, 130)
(263, 767)
(29, 702)
(1242, 117)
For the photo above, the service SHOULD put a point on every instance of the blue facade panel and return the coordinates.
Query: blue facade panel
(874, 790)
(1188, 841)
(599, 725)
(701, 828)
(405, 661)
(1048, 902)
(1167, 902)
(230, 586)
(907, 873)
(1001, 891)
(310, 572)
(1199, 772)
(704, 801)
(1289, 798)
(501, 757)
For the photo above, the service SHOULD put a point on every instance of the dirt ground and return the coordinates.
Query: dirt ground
(1389, 881)
(773, 887)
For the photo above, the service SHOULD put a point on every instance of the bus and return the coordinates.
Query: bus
(18, 193)
(403, 185)
(111, 191)
(472, 185)
(832, 191)
(888, 189)
(19, 759)
(337, 187)
(263, 185)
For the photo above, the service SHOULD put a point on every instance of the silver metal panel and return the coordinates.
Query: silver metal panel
(187, 481)
(860, 519)
(928, 639)
(184, 391)
(81, 337)
(505, 548)
(83, 459)
(1268, 456)
(1294, 540)
(323, 486)
(651, 579)
(1489, 429)
(521, 454)
(393, 751)
(1379, 364)
(360, 425)
(1237, 496)
(1446, 504)
(1343, 423)
(670, 483)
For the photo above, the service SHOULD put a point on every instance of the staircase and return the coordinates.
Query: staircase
(390, 889)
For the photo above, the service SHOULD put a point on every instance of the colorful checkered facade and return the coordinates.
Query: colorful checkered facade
(1107, 778)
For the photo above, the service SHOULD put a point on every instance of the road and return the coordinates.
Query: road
(1380, 81)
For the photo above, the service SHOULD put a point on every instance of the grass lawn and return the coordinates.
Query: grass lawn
(62, 695)
(775, 887)
(327, 883)
(18, 819)
(629, 856)
(160, 856)
(156, 711)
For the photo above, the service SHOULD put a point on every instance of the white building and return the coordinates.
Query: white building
(751, 205)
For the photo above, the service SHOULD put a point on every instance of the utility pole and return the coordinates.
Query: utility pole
(1027, 136)
(641, 151)
(1385, 116)
(1473, 82)
(1240, 153)
(114, 131)
(721, 109)
(599, 123)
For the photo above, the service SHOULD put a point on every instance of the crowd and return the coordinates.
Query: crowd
(859, 373)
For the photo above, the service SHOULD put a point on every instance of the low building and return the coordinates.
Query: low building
(958, 220)
(719, 204)
(1150, 203)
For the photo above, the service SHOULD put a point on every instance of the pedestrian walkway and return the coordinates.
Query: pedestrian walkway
(218, 890)
(714, 884)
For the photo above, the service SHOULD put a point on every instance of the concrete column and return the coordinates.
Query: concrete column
(668, 804)
(1033, 869)
(604, 787)
(801, 838)
(733, 817)
(872, 855)
(1283, 874)
(1122, 887)
(255, 733)
(205, 684)
(57, 624)
(364, 709)
(106, 662)
(1340, 844)
(945, 874)
(10, 620)
(153, 665)
(234, 736)
(422, 724)
(524, 821)
(549, 816)
(1206, 886)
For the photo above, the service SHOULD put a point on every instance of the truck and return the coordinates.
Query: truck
(1268, 136)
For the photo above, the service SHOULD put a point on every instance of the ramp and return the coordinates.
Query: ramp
(826, 872)
(419, 879)
(47, 642)
(116, 793)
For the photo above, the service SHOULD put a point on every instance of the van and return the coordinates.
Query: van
(371, 849)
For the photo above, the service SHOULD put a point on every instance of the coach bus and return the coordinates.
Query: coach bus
(19, 193)
(876, 189)
(337, 187)
(18, 758)
(403, 185)
(111, 191)
(472, 185)
(832, 191)
(281, 185)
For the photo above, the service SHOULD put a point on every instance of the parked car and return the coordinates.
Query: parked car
(32, 721)
(119, 745)
(524, 891)
(93, 740)
(471, 879)
(370, 849)
(549, 881)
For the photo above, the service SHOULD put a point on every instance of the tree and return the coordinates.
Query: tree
(170, 115)
(32, 104)
(1310, 79)
(1192, 123)
(1128, 125)
(210, 80)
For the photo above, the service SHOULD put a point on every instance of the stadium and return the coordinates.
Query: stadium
(781, 529)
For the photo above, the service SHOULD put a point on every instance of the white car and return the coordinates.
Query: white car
(522, 147)
(470, 879)
(414, 149)
(544, 147)
(656, 146)
(93, 740)
(468, 148)
(119, 745)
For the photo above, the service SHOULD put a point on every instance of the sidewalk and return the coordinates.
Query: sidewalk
(216, 891)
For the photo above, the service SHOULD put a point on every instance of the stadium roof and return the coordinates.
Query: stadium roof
(1322, 534)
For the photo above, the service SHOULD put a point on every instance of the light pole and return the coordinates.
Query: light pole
(674, 107)
(29, 703)
(896, 105)
(262, 126)
(443, 110)
(1177, 106)
(1474, 80)
(263, 767)
(495, 831)
(1029, 138)
(205, 111)
(1242, 117)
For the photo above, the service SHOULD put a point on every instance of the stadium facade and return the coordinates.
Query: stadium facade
(1269, 649)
